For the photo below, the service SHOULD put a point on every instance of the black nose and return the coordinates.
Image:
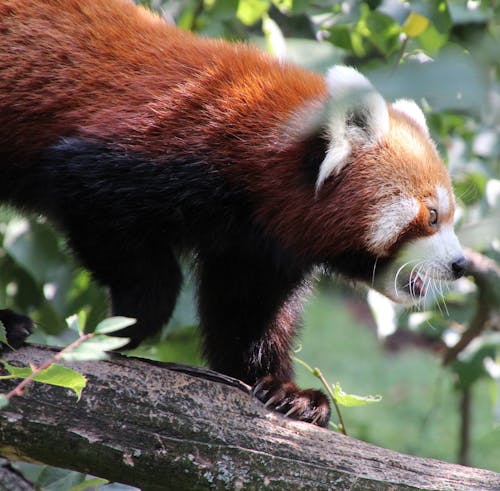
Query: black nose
(458, 267)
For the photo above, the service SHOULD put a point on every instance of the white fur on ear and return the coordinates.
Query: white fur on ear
(358, 116)
(411, 109)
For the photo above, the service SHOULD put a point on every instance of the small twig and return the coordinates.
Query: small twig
(318, 374)
(400, 54)
(18, 389)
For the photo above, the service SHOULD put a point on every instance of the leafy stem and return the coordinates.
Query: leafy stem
(318, 374)
(18, 390)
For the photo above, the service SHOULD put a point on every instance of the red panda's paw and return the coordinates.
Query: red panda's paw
(17, 327)
(307, 405)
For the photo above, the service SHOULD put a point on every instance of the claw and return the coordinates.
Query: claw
(272, 400)
(285, 397)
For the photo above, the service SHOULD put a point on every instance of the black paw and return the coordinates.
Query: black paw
(18, 327)
(307, 405)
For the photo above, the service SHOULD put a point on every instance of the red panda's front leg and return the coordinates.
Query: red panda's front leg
(249, 310)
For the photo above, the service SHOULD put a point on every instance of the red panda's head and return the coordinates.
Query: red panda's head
(381, 161)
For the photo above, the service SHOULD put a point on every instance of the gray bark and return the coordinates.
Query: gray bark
(153, 427)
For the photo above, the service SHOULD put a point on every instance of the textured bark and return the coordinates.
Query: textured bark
(154, 427)
(486, 275)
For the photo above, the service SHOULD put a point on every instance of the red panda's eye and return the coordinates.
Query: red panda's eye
(433, 217)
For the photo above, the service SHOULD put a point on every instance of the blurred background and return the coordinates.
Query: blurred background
(446, 56)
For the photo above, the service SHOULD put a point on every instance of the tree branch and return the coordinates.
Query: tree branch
(149, 426)
(486, 274)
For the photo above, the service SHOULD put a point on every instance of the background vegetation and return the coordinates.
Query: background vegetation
(443, 54)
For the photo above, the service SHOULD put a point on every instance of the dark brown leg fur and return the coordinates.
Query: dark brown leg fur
(248, 315)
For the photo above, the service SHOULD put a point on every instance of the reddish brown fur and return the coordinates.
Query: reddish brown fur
(150, 62)
(230, 102)
(146, 94)
(417, 169)
(340, 217)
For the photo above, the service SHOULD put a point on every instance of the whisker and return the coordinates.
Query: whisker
(443, 298)
(427, 287)
(438, 297)
(397, 274)
(431, 288)
(411, 284)
(425, 278)
(373, 272)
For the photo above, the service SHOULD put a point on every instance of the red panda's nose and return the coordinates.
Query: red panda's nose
(458, 267)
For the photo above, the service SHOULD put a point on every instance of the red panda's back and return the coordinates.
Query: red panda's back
(107, 69)
(64, 60)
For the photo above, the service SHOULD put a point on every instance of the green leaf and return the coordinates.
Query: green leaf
(55, 374)
(55, 479)
(82, 320)
(73, 323)
(3, 333)
(471, 187)
(222, 10)
(415, 24)
(37, 249)
(34, 247)
(340, 35)
(4, 401)
(436, 11)
(251, 11)
(382, 31)
(89, 484)
(95, 348)
(113, 324)
(357, 45)
(181, 345)
(351, 400)
(431, 40)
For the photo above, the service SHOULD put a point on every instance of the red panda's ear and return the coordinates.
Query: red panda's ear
(410, 108)
(357, 117)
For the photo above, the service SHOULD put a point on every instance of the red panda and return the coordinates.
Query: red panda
(142, 142)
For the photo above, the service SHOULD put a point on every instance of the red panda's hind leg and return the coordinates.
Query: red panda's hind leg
(143, 280)
(113, 206)
(248, 312)
(149, 297)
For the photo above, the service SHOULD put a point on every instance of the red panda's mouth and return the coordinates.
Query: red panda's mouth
(416, 286)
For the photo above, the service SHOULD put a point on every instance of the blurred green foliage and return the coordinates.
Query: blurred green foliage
(443, 54)
(419, 411)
